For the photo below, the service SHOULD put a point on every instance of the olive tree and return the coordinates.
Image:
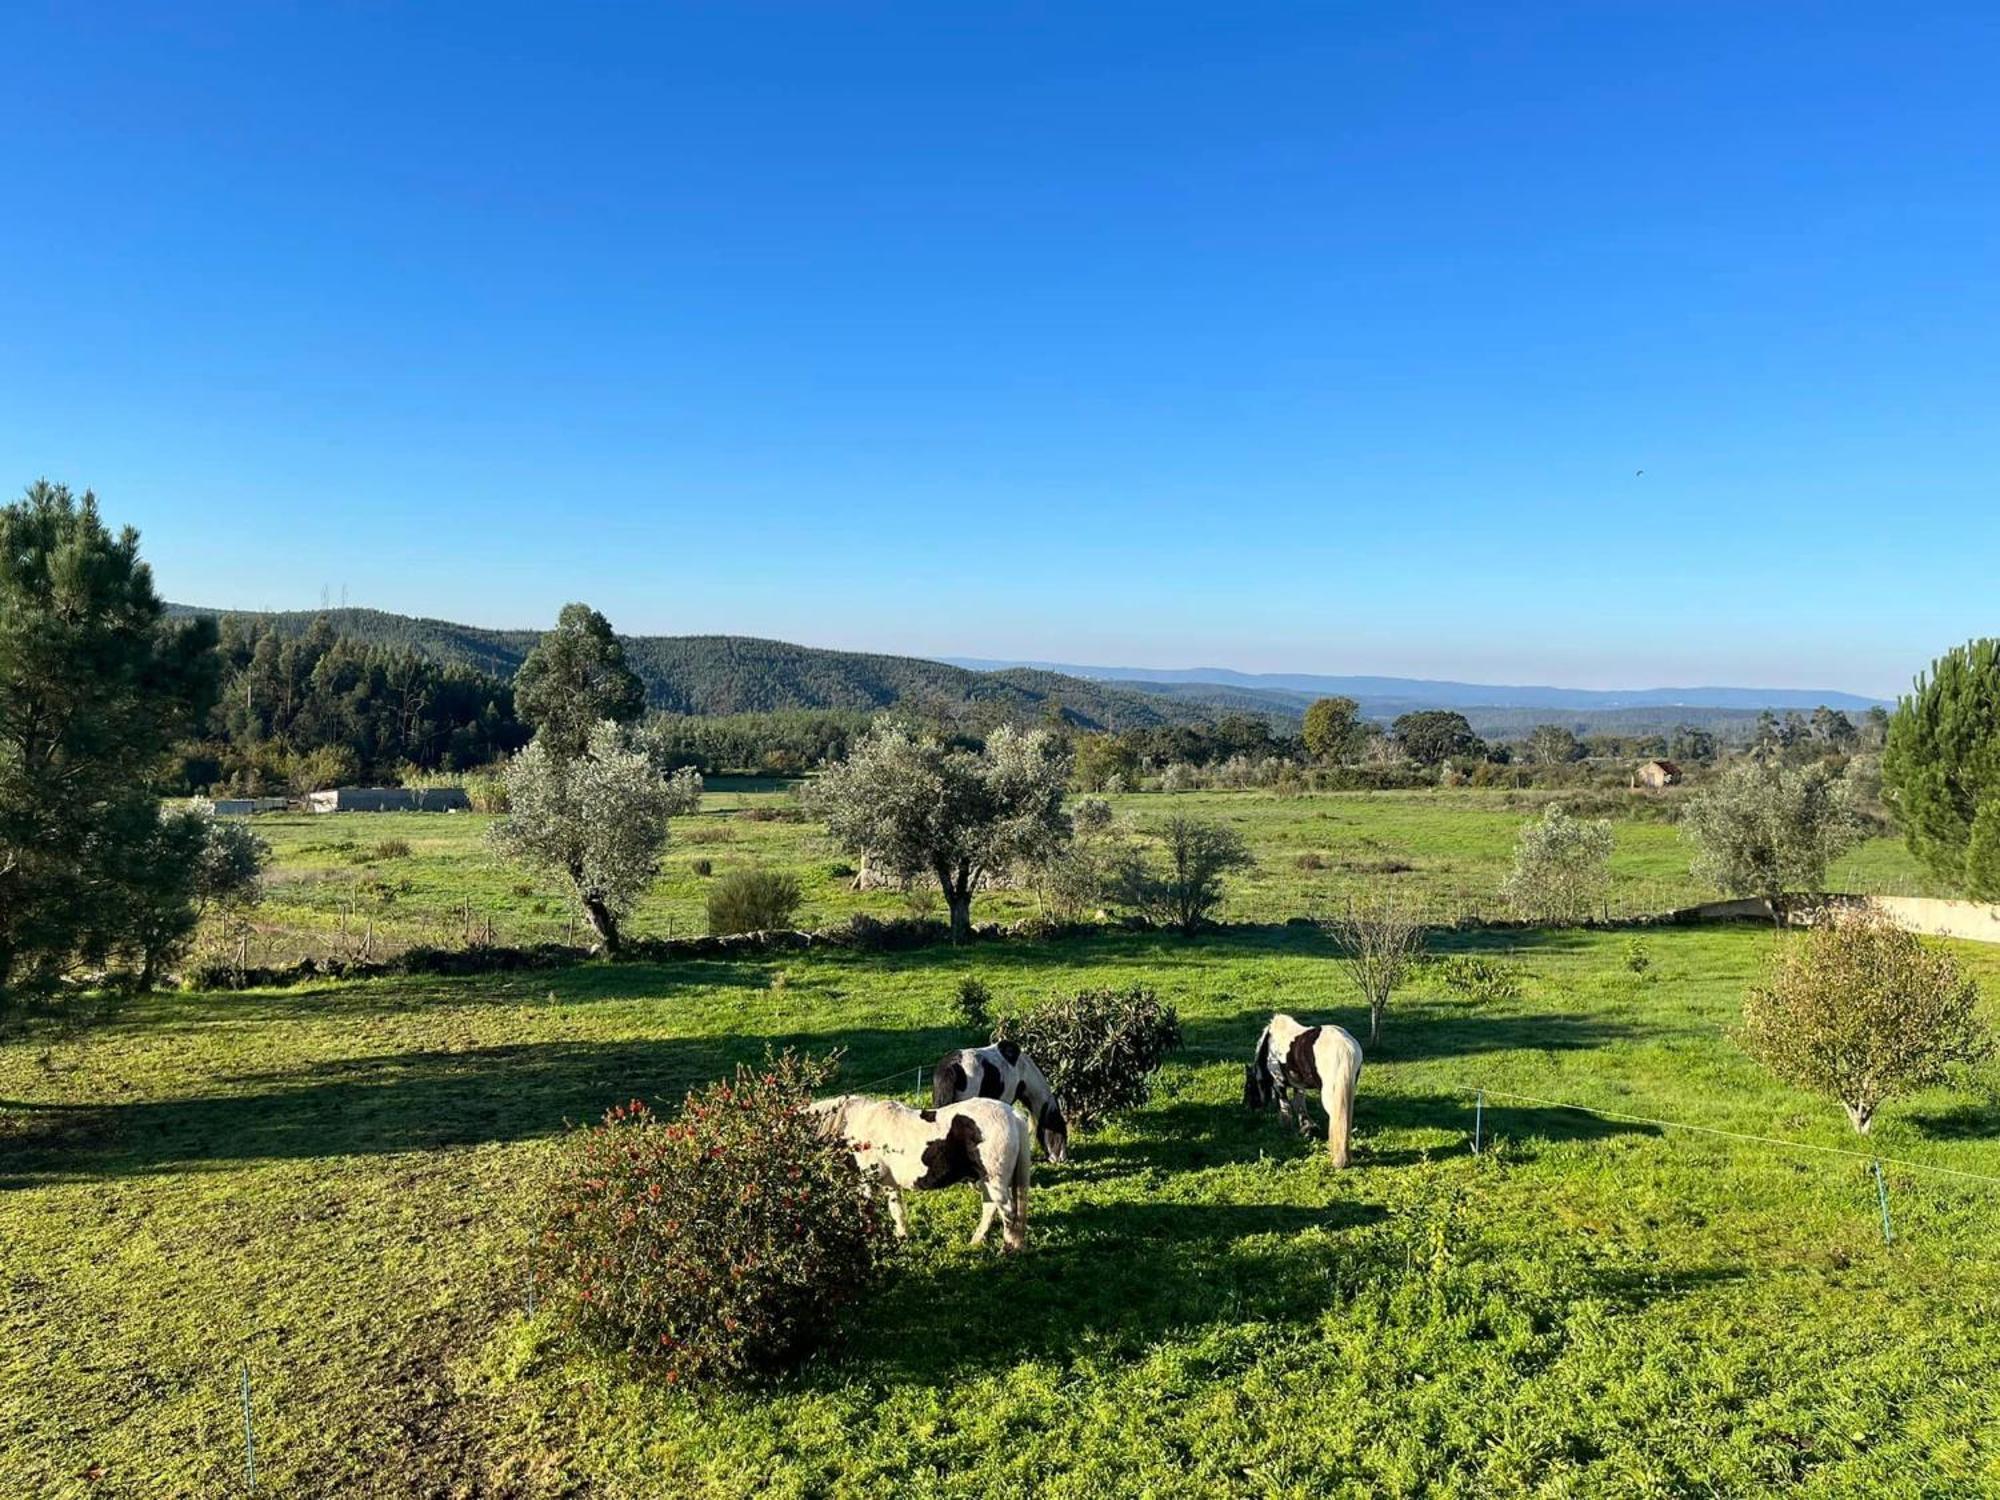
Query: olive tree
(1859, 1012)
(1182, 887)
(1765, 828)
(1562, 866)
(1941, 769)
(915, 806)
(596, 820)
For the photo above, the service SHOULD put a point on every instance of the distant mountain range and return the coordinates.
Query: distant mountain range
(723, 674)
(1386, 697)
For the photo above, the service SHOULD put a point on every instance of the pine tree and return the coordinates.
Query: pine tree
(1941, 765)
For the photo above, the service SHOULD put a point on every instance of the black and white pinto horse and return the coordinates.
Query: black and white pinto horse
(981, 1141)
(1293, 1060)
(1004, 1072)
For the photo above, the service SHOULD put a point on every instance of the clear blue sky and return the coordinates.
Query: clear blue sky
(1322, 337)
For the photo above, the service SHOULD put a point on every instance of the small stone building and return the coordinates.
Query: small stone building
(390, 799)
(1656, 774)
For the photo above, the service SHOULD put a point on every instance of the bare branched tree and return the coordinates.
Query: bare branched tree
(1379, 938)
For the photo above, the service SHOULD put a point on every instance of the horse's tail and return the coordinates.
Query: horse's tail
(1338, 1097)
(1016, 1234)
(948, 1082)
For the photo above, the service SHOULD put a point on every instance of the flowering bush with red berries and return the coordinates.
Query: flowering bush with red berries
(726, 1241)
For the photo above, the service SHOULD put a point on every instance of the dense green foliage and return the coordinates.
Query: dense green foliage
(1098, 1047)
(1941, 769)
(727, 1241)
(186, 867)
(1180, 884)
(1562, 867)
(299, 712)
(783, 742)
(920, 808)
(95, 687)
(1432, 736)
(1862, 1012)
(1765, 829)
(575, 679)
(723, 674)
(597, 821)
(1333, 729)
(753, 901)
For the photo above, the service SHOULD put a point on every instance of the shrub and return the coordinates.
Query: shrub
(1859, 1011)
(1561, 867)
(1474, 977)
(1098, 1047)
(393, 849)
(703, 867)
(1185, 887)
(1638, 957)
(975, 1002)
(1070, 882)
(727, 1242)
(1312, 859)
(752, 901)
(1091, 815)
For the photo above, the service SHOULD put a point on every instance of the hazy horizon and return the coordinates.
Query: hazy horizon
(1279, 667)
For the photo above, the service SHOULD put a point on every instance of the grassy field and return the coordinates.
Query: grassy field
(341, 882)
(334, 1186)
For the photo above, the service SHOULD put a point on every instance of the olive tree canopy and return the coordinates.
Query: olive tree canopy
(597, 820)
(1764, 829)
(913, 805)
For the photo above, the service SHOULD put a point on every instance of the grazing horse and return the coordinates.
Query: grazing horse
(1294, 1059)
(981, 1141)
(1004, 1072)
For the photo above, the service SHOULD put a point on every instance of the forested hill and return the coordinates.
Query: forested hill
(726, 674)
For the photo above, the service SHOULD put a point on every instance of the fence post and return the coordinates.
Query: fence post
(1478, 1118)
(249, 1433)
(1882, 1195)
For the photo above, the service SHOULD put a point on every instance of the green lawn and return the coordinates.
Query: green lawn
(334, 1185)
(334, 889)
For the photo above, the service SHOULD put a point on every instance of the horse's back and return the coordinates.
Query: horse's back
(1000, 1129)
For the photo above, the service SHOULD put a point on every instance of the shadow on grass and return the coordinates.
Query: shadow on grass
(1962, 1122)
(1193, 1135)
(403, 1101)
(1518, 1124)
(1416, 1030)
(1112, 1279)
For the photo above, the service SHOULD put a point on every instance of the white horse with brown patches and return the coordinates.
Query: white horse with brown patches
(1004, 1072)
(981, 1141)
(1294, 1059)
